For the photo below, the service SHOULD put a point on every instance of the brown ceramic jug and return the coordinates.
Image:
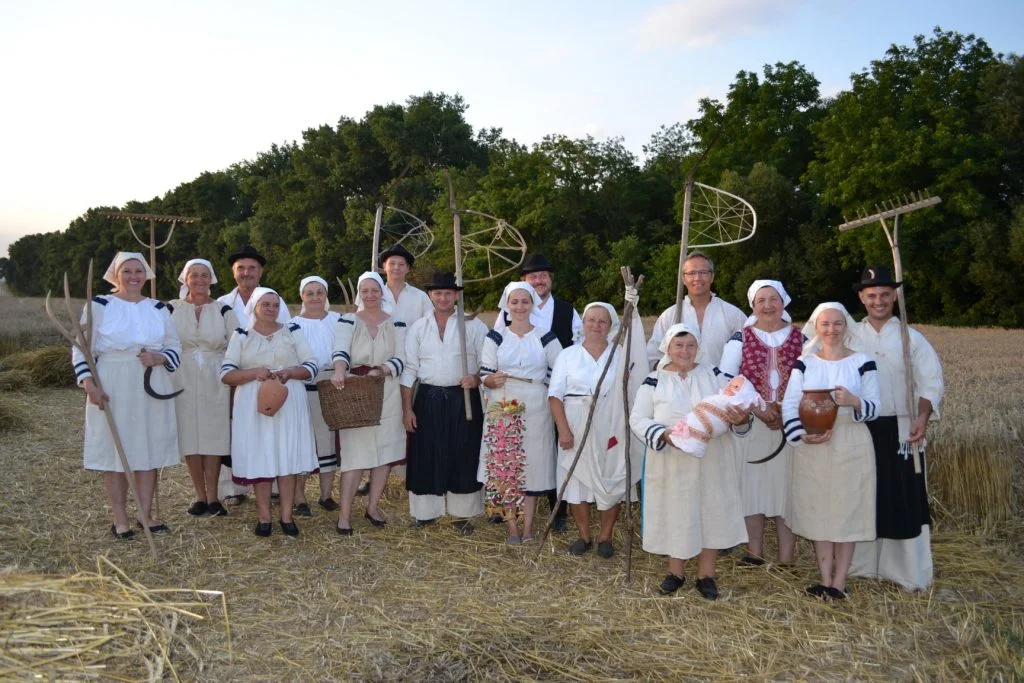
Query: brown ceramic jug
(818, 411)
(271, 396)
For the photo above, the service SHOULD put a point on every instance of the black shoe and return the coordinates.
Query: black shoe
(215, 509)
(751, 560)
(376, 522)
(425, 522)
(302, 510)
(157, 529)
(707, 588)
(579, 546)
(671, 583)
(234, 500)
(328, 504)
(289, 528)
(343, 532)
(605, 549)
(199, 509)
(834, 593)
(123, 535)
(560, 525)
(817, 590)
(264, 529)
(274, 496)
(464, 527)
(364, 489)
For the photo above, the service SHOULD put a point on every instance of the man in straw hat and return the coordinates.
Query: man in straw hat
(902, 551)
(715, 319)
(444, 449)
(247, 268)
(551, 315)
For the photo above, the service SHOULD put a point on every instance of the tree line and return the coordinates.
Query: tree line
(942, 115)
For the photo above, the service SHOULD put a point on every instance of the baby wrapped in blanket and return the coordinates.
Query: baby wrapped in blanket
(708, 418)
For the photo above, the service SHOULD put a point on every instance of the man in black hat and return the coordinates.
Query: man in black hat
(902, 551)
(247, 269)
(444, 447)
(553, 315)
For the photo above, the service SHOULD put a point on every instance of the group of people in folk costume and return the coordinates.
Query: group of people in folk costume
(492, 419)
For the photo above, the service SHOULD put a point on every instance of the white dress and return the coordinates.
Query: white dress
(600, 474)
(689, 503)
(203, 409)
(368, 447)
(531, 356)
(265, 447)
(320, 337)
(763, 486)
(146, 425)
(832, 485)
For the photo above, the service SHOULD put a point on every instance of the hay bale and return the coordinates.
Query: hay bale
(15, 380)
(13, 415)
(49, 366)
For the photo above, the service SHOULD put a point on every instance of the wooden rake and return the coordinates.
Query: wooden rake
(81, 338)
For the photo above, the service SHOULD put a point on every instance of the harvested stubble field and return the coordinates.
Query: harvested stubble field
(427, 604)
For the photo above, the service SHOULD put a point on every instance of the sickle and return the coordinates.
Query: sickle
(146, 377)
(778, 450)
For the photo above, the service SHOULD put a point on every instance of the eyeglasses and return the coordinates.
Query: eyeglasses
(698, 273)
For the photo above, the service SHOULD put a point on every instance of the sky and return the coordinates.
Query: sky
(109, 101)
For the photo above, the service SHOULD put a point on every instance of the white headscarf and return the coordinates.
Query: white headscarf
(119, 259)
(673, 332)
(777, 286)
(815, 343)
(254, 298)
(513, 286)
(183, 276)
(611, 312)
(302, 286)
(385, 301)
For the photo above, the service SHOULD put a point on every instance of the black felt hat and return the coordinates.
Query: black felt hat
(879, 276)
(247, 252)
(536, 263)
(397, 250)
(442, 281)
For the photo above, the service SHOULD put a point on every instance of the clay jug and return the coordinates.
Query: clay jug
(818, 411)
(271, 396)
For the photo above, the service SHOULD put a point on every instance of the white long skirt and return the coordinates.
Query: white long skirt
(203, 408)
(266, 447)
(539, 442)
(146, 425)
(763, 488)
(600, 474)
(692, 503)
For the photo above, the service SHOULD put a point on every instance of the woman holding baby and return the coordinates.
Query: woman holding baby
(765, 352)
(691, 505)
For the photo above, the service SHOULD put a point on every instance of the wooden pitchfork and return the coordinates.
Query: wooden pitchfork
(81, 338)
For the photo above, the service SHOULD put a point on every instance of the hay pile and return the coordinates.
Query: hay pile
(14, 416)
(49, 366)
(98, 625)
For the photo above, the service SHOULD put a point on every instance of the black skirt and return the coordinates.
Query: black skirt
(902, 503)
(444, 451)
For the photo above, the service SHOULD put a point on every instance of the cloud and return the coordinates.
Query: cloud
(699, 23)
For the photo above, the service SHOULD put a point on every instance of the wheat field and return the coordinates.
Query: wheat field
(404, 603)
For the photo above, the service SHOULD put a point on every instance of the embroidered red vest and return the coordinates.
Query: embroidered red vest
(759, 359)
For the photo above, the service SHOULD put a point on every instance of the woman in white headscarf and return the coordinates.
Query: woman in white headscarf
(268, 447)
(517, 459)
(132, 335)
(600, 474)
(691, 506)
(832, 485)
(765, 352)
(320, 326)
(203, 409)
(370, 342)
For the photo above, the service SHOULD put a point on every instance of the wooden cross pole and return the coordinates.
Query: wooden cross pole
(684, 237)
(460, 311)
(153, 219)
(81, 338)
(894, 210)
(375, 254)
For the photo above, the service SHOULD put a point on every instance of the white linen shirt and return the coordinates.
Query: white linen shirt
(721, 321)
(412, 304)
(437, 361)
(856, 372)
(542, 317)
(234, 300)
(576, 372)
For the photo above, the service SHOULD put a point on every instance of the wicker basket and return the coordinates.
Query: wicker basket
(359, 404)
